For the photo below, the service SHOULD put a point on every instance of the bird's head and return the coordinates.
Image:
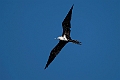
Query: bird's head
(58, 38)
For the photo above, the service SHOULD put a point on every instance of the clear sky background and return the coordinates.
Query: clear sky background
(28, 29)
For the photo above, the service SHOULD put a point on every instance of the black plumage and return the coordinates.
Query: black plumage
(66, 31)
(55, 52)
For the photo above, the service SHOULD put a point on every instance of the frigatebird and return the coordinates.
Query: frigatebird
(64, 39)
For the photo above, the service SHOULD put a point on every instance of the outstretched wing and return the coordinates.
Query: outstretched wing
(66, 24)
(55, 51)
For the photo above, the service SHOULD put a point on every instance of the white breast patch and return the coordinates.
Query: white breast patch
(65, 38)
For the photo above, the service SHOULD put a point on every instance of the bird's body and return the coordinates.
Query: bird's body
(64, 39)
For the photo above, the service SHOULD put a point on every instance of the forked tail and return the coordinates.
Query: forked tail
(75, 41)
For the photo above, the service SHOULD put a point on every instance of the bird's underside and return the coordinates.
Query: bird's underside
(62, 42)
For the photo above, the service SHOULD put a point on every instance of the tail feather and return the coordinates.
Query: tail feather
(76, 42)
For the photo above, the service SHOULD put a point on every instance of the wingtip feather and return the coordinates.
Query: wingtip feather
(45, 67)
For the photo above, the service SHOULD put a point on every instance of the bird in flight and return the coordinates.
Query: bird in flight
(64, 39)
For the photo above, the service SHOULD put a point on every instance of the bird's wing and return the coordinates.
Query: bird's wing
(66, 24)
(55, 51)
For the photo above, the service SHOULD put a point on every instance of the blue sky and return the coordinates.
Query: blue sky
(28, 29)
